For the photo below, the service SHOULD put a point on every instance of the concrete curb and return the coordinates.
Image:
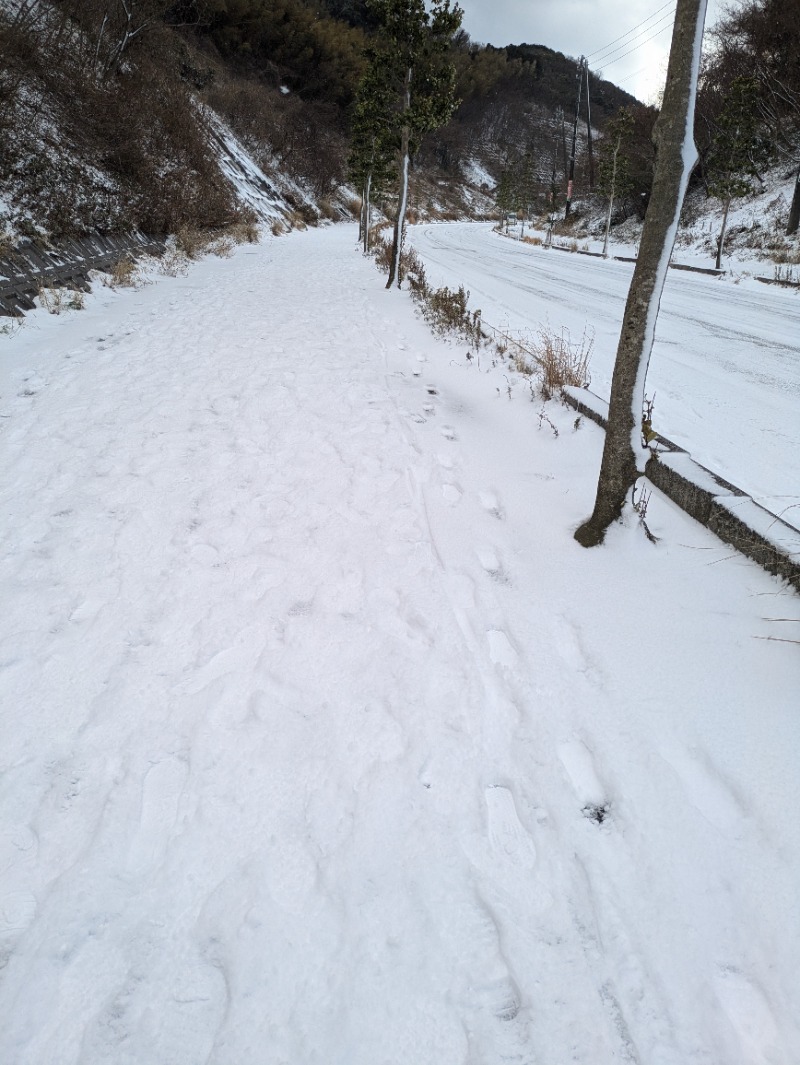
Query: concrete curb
(709, 270)
(727, 511)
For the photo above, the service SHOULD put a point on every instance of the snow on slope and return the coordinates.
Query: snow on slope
(323, 740)
(267, 195)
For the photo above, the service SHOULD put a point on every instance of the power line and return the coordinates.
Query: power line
(638, 46)
(608, 56)
(606, 47)
(631, 76)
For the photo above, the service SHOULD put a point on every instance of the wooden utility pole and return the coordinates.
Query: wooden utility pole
(571, 178)
(589, 125)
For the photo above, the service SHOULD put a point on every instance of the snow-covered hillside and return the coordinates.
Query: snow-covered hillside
(324, 742)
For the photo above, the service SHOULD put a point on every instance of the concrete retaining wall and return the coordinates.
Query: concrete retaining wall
(29, 267)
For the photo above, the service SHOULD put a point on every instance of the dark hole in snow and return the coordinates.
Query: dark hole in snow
(432, 392)
(595, 813)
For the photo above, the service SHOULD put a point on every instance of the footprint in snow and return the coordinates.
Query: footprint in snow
(750, 1017)
(492, 564)
(451, 494)
(706, 790)
(448, 432)
(580, 769)
(509, 840)
(162, 789)
(17, 911)
(496, 1021)
(491, 504)
(500, 650)
(18, 844)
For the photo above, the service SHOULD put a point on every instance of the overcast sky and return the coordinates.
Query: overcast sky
(637, 62)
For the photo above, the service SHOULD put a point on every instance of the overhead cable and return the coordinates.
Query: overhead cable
(609, 55)
(638, 26)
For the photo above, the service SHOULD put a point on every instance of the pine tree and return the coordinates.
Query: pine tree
(738, 151)
(411, 61)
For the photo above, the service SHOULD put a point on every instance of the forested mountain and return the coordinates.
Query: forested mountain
(102, 120)
(101, 126)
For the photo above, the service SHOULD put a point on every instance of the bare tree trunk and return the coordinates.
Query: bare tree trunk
(611, 199)
(721, 241)
(400, 221)
(608, 224)
(624, 454)
(794, 210)
(367, 190)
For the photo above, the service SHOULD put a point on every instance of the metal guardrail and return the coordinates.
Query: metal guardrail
(30, 268)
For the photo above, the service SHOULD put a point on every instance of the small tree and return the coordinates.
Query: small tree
(614, 178)
(410, 60)
(738, 151)
(505, 195)
(624, 454)
(372, 148)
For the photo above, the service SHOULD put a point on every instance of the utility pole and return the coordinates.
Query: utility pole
(571, 178)
(589, 126)
(551, 213)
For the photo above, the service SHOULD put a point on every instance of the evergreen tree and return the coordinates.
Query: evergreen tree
(372, 146)
(614, 178)
(411, 61)
(738, 151)
(505, 195)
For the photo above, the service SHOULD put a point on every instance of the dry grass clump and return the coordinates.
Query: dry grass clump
(560, 361)
(445, 310)
(174, 262)
(247, 231)
(327, 210)
(193, 242)
(190, 243)
(296, 220)
(223, 246)
(786, 255)
(56, 300)
(125, 273)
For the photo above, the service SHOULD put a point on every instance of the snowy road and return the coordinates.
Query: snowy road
(323, 743)
(726, 363)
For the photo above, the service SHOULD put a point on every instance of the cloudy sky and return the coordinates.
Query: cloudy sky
(627, 40)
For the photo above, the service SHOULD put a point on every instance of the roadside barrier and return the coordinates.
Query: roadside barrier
(727, 511)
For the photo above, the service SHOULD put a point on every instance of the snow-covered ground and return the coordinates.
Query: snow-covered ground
(324, 742)
(725, 369)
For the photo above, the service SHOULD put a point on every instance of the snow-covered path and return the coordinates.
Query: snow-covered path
(323, 742)
(725, 369)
